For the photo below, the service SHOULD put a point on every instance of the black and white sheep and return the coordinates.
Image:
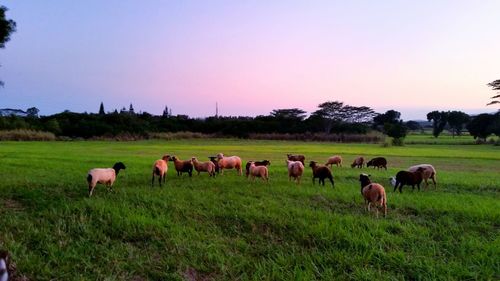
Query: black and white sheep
(105, 176)
(373, 193)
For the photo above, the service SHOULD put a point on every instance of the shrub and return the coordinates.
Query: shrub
(26, 135)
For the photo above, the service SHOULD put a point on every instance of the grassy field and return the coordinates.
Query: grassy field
(228, 228)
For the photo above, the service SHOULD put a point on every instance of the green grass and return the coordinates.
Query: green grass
(228, 228)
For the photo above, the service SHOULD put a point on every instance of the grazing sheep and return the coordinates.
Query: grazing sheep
(358, 162)
(336, 159)
(160, 168)
(258, 171)
(298, 157)
(216, 163)
(373, 193)
(257, 163)
(105, 176)
(321, 172)
(182, 166)
(409, 178)
(295, 170)
(229, 162)
(428, 173)
(379, 162)
(208, 167)
(4, 266)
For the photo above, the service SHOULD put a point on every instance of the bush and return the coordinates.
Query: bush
(26, 135)
(373, 137)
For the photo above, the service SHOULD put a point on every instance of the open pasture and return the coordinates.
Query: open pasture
(228, 228)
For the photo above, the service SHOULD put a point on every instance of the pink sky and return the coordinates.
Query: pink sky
(251, 56)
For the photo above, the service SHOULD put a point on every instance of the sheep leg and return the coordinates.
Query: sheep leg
(396, 187)
(368, 206)
(164, 178)
(91, 189)
(159, 181)
(331, 180)
(152, 180)
(314, 180)
(401, 188)
(418, 185)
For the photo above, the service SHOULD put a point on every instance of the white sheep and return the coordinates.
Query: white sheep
(105, 176)
(4, 266)
(295, 170)
(160, 168)
(229, 162)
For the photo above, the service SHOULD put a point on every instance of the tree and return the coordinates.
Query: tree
(481, 126)
(390, 116)
(397, 131)
(7, 27)
(101, 109)
(358, 114)
(289, 113)
(166, 112)
(439, 120)
(131, 109)
(330, 112)
(495, 85)
(457, 120)
(413, 125)
(32, 112)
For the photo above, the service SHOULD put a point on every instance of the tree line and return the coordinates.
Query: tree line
(330, 117)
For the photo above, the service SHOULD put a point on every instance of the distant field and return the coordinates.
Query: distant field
(228, 228)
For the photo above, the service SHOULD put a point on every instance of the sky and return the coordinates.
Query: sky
(250, 57)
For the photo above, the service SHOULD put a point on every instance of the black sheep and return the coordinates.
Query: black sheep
(321, 172)
(409, 178)
(379, 162)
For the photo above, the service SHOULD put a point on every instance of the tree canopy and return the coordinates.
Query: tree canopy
(495, 85)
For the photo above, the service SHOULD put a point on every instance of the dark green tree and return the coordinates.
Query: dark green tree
(289, 113)
(32, 112)
(439, 120)
(131, 109)
(101, 109)
(481, 126)
(397, 131)
(457, 121)
(7, 27)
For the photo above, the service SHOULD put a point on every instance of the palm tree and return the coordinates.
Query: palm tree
(495, 85)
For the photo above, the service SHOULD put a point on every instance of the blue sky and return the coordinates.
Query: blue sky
(251, 56)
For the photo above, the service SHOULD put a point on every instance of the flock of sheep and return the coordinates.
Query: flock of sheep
(373, 193)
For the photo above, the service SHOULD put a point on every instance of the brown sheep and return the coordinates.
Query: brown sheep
(295, 170)
(229, 162)
(208, 167)
(321, 172)
(160, 168)
(428, 173)
(182, 166)
(409, 178)
(258, 171)
(257, 163)
(358, 162)
(216, 162)
(336, 159)
(373, 193)
(298, 157)
(379, 162)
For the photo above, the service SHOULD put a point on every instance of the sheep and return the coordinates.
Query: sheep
(373, 193)
(105, 176)
(321, 172)
(408, 178)
(428, 172)
(160, 168)
(229, 162)
(358, 162)
(257, 163)
(216, 163)
(4, 266)
(182, 166)
(379, 162)
(258, 171)
(336, 159)
(298, 157)
(208, 167)
(295, 170)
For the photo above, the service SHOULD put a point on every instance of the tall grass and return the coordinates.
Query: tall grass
(26, 135)
(228, 228)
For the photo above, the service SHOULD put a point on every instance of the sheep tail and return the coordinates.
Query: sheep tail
(89, 178)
